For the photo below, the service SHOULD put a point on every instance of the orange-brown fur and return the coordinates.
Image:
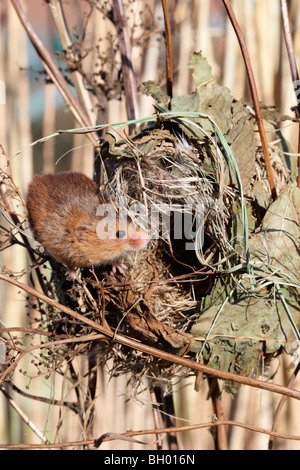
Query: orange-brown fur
(62, 212)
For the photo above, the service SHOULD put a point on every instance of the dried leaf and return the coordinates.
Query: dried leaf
(153, 329)
(243, 145)
(109, 436)
(277, 242)
(201, 69)
(152, 88)
(244, 331)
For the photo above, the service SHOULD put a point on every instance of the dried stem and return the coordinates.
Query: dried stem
(127, 67)
(281, 404)
(168, 416)
(57, 12)
(7, 204)
(293, 64)
(149, 432)
(221, 438)
(50, 401)
(54, 72)
(254, 95)
(168, 42)
(23, 416)
(156, 412)
(172, 358)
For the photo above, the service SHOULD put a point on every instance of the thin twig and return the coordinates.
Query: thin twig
(210, 424)
(50, 401)
(172, 358)
(254, 95)
(23, 416)
(192, 427)
(16, 221)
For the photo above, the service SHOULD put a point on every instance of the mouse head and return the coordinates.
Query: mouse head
(122, 232)
(109, 237)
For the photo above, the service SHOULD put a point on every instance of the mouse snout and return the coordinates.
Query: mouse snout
(139, 240)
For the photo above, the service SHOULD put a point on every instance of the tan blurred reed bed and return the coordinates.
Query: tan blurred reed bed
(198, 25)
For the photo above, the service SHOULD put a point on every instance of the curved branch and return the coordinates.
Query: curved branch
(113, 436)
(172, 358)
(254, 95)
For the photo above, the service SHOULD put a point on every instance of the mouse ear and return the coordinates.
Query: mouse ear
(82, 231)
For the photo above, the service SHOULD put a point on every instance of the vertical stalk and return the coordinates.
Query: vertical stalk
(221, 438)
(254, 94)
(127, 68)
(168, 42)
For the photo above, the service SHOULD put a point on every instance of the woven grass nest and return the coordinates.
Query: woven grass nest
(232, 300)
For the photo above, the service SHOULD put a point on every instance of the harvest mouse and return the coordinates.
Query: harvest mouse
(64, 215)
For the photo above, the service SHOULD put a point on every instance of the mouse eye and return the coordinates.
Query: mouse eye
(121, 234)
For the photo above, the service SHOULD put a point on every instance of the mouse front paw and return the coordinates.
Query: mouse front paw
(116, 266)
(70, 274)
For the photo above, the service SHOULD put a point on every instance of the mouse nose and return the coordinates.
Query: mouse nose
(140, 241)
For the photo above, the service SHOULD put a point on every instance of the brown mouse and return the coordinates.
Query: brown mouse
(63, 212)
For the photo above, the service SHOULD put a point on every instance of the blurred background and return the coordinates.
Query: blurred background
(34, 108)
